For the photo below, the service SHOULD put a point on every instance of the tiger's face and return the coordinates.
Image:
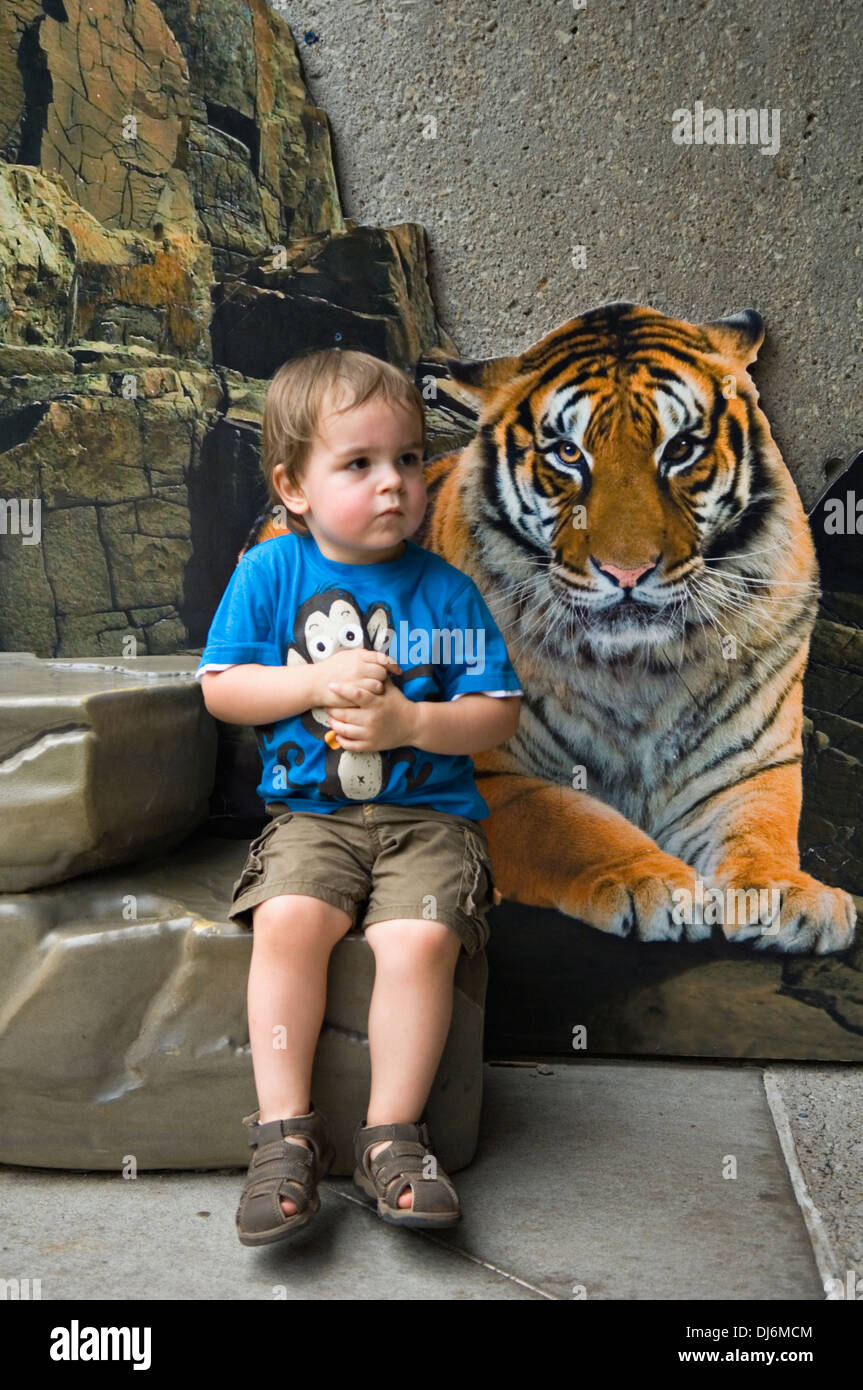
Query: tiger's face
(627, 454)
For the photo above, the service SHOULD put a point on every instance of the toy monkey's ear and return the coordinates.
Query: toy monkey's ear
(378, 623)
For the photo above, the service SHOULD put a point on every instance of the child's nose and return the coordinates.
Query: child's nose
(390, 477)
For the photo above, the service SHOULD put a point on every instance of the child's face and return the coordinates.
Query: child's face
(364, 462)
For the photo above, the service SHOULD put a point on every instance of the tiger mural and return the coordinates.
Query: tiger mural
(629, 520)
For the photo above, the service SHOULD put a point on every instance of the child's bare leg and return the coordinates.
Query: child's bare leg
(409, 1017)
(293, 938)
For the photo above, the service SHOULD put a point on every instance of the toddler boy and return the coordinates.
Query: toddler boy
(367, 665)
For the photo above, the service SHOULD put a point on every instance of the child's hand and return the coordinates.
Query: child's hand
(366, 722)
(358, 668)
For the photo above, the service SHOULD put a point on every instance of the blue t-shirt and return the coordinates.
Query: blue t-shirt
(287, 603)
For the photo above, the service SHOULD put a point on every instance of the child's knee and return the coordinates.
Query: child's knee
(412, 940)
(287, 919)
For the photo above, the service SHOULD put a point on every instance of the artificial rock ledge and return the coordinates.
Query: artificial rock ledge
(100, 763)
(123, 1027)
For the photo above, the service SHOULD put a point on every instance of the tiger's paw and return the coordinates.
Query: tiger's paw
(794, 914)
(645, 899)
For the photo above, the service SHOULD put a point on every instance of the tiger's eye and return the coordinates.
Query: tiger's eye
(567, 452)
(678, 448)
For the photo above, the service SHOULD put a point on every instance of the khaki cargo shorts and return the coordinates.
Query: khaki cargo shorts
(376, 862)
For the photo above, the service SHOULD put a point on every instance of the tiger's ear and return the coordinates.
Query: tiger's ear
(481, 376)
(739, 335)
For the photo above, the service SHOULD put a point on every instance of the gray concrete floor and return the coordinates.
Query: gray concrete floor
(594, 1179)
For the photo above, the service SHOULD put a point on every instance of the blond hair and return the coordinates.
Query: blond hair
(298, 394)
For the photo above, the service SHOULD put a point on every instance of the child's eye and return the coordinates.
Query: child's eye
(410, 460)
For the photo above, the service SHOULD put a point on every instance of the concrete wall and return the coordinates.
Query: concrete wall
(554, 130)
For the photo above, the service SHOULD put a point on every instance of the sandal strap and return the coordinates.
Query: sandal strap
(312, 1126)
(398, 1159)
(281, 1169)
(284, 1160)
(401, 1166)
(369, 1135)
(288, 1187)
(431, 1195)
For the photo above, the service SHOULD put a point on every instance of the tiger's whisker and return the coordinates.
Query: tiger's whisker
(727, 611)
(745, 609)
(736, 578)
(742, 603)
(735, 636)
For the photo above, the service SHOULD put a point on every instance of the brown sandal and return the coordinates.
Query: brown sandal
(407, 1162)
(281, 1169)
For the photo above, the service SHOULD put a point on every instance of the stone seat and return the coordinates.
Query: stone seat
(123, 1029)
(101, 762)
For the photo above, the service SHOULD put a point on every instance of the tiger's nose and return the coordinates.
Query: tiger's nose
(626, 578)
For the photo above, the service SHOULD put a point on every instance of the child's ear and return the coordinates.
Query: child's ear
(291, 494)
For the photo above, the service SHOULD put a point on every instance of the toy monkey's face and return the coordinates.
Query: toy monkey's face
(337, 630)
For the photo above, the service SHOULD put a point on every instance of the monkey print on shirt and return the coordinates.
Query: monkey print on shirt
(286, 603)
(330, 622)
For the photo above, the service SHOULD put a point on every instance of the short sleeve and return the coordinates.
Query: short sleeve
(242, 631)
(479, 663)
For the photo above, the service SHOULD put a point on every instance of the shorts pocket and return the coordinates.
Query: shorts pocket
(476, 894)
(257, 845)
(254, 866)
